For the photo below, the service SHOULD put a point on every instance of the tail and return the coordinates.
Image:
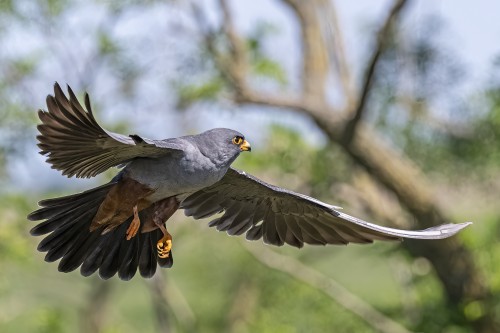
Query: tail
(67, 221)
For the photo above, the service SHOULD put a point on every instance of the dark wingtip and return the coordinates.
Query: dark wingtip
(59, 93)
(87, 104)
(49, 99)
(40, 112)
(71, 93)
(57, 87)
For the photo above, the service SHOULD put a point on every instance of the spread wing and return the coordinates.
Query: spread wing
(75, 144)
(280, 216)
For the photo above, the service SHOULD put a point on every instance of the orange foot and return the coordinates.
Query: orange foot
(164, 245)
(134, 225)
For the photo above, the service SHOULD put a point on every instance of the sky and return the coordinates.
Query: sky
(472, 27)
(472, 31)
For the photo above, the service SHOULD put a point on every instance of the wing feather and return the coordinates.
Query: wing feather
(77, 145)
(281, 227)
(269, 233)
(242, 221)
(280, 216)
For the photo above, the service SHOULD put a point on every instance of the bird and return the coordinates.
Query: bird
(120, 227)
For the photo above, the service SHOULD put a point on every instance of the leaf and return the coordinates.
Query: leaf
(106, 44)
(189, 94)
(270, 69)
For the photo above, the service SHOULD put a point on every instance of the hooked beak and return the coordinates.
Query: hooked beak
(245, 146)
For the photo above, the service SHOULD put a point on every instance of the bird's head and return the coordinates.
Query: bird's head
(222, 145)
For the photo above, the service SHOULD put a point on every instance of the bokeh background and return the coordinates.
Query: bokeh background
(390, 109)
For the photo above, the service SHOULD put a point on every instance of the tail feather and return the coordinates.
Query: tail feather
(147, 260)
(96, 256)
(55, 206)
(130, 260)
(79, 250)
(67, 223)
(166, 262)
(55, 213)
(65, 218)
(63, 234)
(58, 248)
(111, 263)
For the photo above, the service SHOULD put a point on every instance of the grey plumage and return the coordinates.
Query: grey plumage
(94, 229)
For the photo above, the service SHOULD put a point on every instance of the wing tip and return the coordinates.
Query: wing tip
(57, 88)
(453, 228)
(448, 230)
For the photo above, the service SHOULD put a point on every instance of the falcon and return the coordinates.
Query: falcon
(120, 227)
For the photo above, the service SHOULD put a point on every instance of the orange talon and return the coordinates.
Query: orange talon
(164, 245)
(134, 225)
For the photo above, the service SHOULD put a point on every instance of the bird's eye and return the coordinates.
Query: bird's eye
(237, 140)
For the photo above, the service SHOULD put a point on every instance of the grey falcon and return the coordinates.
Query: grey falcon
(120, 227)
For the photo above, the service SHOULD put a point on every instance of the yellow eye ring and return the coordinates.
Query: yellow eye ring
(237, 140)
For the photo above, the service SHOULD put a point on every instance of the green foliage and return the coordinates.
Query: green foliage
(22, 67)
(107, 46)
(215, 284)
(55, 7)
(461, 142)
(51, 320)
(6, 6)
(13, 244)
(271, 69)
(214, 83)
(191, 93)
(481, 148)
(262, 65)
(474, 152)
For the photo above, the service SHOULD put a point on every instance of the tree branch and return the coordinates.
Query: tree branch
(314, 53)
(237, 61)
(336, 49)
(383, 37)
(232, 66)
(330, 287)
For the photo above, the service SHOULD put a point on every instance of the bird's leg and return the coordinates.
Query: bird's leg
(134, 225)
(163, 210)
(164, 245)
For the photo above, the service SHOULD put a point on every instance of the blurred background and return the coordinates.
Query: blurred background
(390, 109)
